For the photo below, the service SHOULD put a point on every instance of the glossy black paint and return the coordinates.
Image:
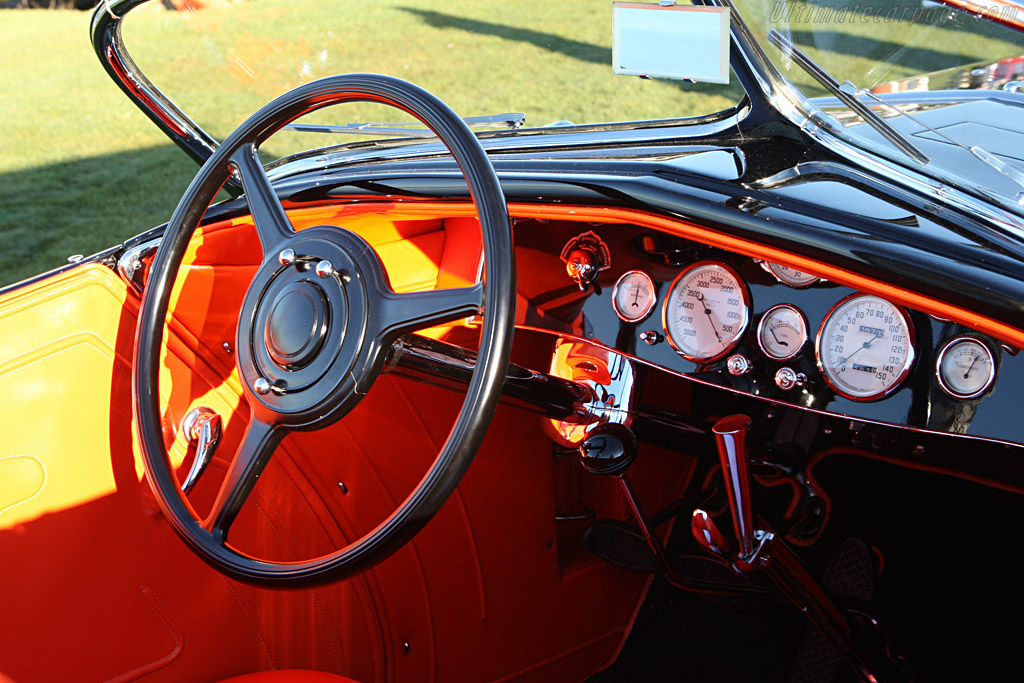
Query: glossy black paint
(918, 244)
(918, 403)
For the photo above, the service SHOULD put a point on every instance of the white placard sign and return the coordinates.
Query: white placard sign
(671, 41)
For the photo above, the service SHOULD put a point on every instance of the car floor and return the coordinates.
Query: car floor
(943, 588)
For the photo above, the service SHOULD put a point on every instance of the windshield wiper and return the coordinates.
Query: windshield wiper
(413, 129)
(847, 94)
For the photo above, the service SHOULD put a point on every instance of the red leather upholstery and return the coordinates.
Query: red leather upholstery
(289, 676)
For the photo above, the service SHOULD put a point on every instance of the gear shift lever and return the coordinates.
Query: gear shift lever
(731, 437)
(773, 555)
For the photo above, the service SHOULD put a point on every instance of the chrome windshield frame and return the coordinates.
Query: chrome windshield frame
(108, 43)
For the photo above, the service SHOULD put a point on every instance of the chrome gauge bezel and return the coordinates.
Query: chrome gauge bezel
(744, 294)
(646, 311)
(760, 329)
(770, 266)
(989, 381)
(908, 364)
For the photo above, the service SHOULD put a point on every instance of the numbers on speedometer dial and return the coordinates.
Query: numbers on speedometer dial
(865, 347)
(706, 311)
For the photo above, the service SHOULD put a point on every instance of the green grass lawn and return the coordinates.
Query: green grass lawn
(81, 169)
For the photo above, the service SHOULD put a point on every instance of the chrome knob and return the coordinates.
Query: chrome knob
(324, 269)
(582, 267)
(788, 378)
(738, 365)
(262, 386)
(286, 257)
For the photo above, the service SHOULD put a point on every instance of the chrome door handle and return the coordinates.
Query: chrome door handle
(201, 427)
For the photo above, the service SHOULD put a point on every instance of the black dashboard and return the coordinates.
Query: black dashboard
(915, 394)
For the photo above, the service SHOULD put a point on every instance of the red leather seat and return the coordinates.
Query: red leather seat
(289, 676)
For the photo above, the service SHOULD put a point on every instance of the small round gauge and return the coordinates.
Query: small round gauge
(706, 312)
(782, 332)
(633, 296)
(966, 367)
(790, 276)
(865, 347)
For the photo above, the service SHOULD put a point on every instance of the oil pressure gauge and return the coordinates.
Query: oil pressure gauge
(966, 367)
(633, 296)
(782, 332)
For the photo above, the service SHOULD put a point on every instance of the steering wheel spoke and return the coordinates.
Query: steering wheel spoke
(251, 457)
(404, 313)
(272, 224)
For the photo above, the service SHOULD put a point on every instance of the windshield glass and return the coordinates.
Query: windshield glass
(945, 81)
(551, 61)
(937, 89)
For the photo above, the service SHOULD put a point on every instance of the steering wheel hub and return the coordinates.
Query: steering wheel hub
(304, 334)
(297, 324)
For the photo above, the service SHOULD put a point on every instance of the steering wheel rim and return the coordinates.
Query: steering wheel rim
(363, 342)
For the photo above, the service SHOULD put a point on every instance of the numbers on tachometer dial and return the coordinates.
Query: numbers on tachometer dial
(706, 311)
(865, 347)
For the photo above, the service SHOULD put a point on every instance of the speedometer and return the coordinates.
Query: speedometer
(865, 347)
(706, 311)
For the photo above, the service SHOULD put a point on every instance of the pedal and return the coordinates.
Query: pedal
(621, 544)
(850, 574)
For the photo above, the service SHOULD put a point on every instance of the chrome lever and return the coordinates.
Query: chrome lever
(731, 436)
(761, 549)
(201, 427)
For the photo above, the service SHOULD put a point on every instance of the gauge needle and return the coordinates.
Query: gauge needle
(971, 367)
(777, 340)
(636, 296)
(863, 346)
(707, 312)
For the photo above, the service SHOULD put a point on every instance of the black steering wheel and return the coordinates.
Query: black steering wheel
(314, 330)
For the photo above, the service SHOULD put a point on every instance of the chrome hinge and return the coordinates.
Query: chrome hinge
(131, 265)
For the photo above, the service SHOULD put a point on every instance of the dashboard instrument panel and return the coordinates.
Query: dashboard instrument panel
(727, 319)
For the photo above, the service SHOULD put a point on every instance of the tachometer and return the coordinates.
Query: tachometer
(706, 312)
(865, 347)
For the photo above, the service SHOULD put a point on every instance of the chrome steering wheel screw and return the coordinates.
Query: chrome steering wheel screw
(324, 269)
(286, 257)
(262, 386)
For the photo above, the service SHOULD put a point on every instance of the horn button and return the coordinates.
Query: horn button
(297, 325)
(305, 333)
